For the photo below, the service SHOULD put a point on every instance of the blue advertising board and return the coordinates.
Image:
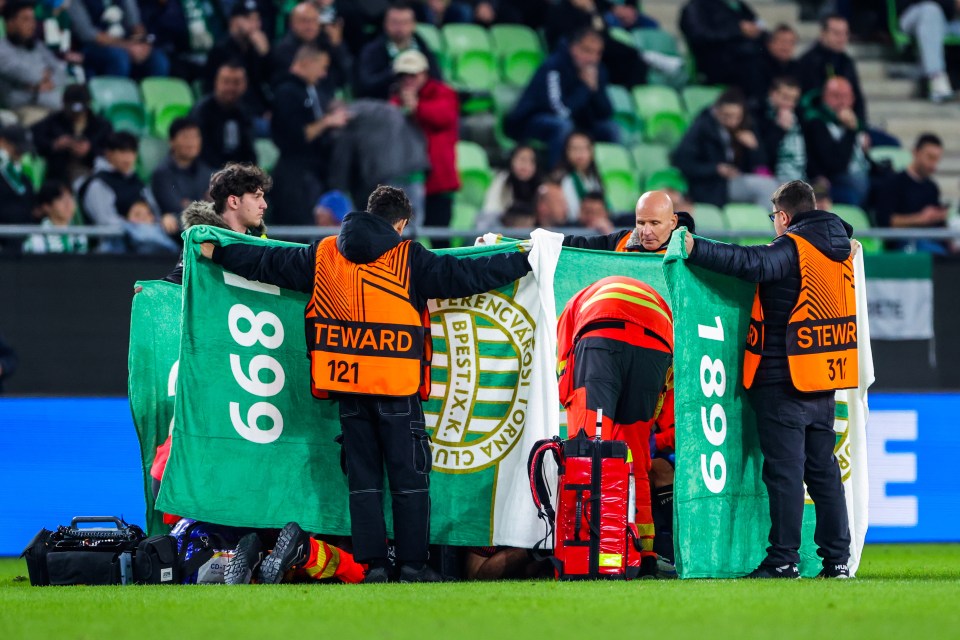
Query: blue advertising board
(63, 457)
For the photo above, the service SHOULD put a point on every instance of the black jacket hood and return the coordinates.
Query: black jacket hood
(364, 237)
(824, 230)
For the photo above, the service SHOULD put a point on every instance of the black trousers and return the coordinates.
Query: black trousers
(380, 430)
(797, 441)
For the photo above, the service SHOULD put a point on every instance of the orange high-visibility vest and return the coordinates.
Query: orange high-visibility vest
(622, 246)
(822, 328)
(364, 334)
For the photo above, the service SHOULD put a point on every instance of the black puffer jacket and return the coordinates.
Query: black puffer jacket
(776, 268)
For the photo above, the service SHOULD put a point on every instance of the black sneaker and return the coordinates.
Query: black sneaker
(292, 552)
(789, 571)
(246, 557)
(422, 574)
(648, 568)
(841, 571)
(376, 575)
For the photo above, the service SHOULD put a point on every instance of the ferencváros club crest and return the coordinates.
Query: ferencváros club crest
(482, 362)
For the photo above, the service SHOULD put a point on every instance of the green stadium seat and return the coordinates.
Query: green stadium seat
(749, 217)
(666, 129)
(475, 174)
(517, 68)
(461, 38)
(669, 178)
(655, 40)
(431, 36)
(151, 153)
(106, 91)
(699, 97)
(709, 218)
(622, 36)
(267, 153)
(463, 218)
(35, 168)
(859, 220)
(475, 71)
(613, 157)
(621, 191)
(624, 111)
(649, 158)
(127, 117)
(510, 38)
(651, 100)
(899, 157)
(165, 99)
(504, 97)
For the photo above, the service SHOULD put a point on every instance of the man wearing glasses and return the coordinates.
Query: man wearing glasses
(801, 347)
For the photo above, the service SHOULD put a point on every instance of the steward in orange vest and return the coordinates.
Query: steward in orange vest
(801, 346)
(615, 346)
(655, 221)
(369, 343)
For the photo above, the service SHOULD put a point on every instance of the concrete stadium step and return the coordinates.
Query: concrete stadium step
(908, 128)
(876, 88)
(882, 108)
(667, 13)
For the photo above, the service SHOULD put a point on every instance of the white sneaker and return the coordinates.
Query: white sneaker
(940, 89)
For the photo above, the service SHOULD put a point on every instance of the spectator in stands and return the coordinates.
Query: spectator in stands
(143, 235)
(16, 190)
(726, 40)
(911, 198)
(628, 14)
(721, 155)
(56, 204)
(837, 144)
(821, 191)
(246, 44)
(226, 127)
(928, 22)
(517, 184)
(577, 172)
(779, 57)
(31, 77)
(70, 139)
(593, 213)
(303, 123)
(182, 177)
(375, 68)
(8, 362)
(568, 92)
(780, 131)
(828, 58)
(332, 208)
(489, 12)
(108, 195)
(307, 26)
(434, 107)
(551, 205)
(519, 216)
(182, 31)
(623, 61)
(441, 12)
(114, 40)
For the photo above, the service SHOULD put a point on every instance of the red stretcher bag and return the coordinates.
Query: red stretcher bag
(593, 529)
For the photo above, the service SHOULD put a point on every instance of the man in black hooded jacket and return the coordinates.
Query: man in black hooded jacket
(795, 427)
(369, 342)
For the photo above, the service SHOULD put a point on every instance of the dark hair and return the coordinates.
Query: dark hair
(594, 195)
(51, 191)
(794, 197)
(523, 190)
(12, 9)
(390, 203)
(74, 93)
(121, 141)
(784, 81)
(236, 180)
(825, 20)
(232, 63)
(180, 124)
(583, 33)
(927, 138)
(733, 95)
(399, 5)
(783, 27)
(564, 166)
(310, 50)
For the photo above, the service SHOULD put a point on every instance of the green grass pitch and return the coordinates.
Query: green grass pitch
(903, 593)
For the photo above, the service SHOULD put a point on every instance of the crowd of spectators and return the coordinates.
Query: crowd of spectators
(351, 95)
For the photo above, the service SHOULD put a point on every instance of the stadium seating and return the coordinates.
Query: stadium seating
(434, 41)
(625, 112)
(902, 40)
(666, 129)
(118, 100)
(655, 40)
(621, 185)
(698, 97)
(859, 220)
(267, 153)
(151, 153)
(504, 97)
(709, 218)
(35, 167)
(899, 158)
(652, 100)
(518, 50)
(472, 62)
(165, 100)
(475, 174)
(650, 158)
(749, 217)
(669, 178)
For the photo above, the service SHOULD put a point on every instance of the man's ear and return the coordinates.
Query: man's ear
(676, 221)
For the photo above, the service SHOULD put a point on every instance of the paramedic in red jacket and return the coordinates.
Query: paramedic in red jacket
(615, 344)
(436, 110)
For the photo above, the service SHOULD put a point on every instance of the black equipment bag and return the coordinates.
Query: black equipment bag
(73, 555)
(157, 561)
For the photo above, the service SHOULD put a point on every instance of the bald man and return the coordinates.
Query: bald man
(656, 220)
